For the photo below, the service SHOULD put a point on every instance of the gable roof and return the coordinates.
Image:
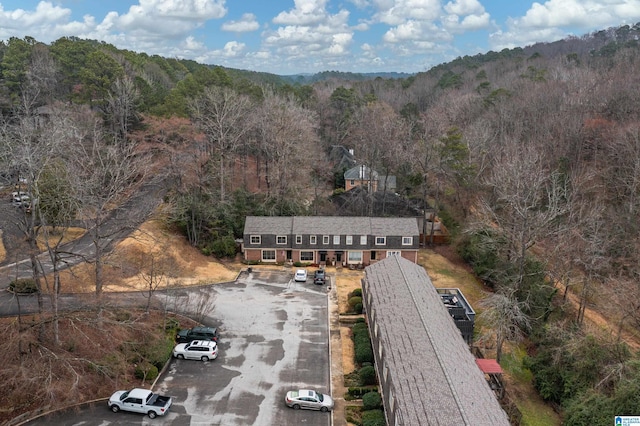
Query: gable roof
(331, 225)
(361, 172)
(434, 374)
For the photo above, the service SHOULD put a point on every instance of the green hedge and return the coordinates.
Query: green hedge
(354, 300)
(356, 293)
(362, 343)
(363, 354)
(367, 375)
(373, 418)
(357, 392)
(371, 401)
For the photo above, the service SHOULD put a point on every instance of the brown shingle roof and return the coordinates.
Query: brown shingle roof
(331, 225)
(436, 380)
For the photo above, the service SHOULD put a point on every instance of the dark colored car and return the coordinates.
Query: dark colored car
(197, 333)
(319, 277)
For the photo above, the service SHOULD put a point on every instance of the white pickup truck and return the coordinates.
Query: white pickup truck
(140, 401)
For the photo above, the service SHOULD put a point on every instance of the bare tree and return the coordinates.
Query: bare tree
(28, 148)
(224, 117)
(289, 143)
(379, 136)
(120, 108)
(103, 172)
(505, 317)
(524, 201)
(153, 275)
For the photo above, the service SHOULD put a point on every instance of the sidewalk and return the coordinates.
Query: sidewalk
(338, 389)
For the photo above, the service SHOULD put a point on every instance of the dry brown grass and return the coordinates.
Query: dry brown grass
(152, 247)
(3, 251)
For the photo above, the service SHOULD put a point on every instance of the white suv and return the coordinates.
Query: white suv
(198, 349)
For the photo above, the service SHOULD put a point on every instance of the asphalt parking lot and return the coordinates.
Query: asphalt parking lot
(274, 337)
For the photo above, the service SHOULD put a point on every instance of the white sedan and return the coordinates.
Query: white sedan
(308, 399)
(300, 276)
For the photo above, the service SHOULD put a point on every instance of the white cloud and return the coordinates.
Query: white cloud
(410, 30)
(167, 17)
(306, 12)
(396, 13)
(310, 29)
(45, 23)
(554, 19)
(464, 7)
(233, 48)
(193, 45)
(465, 15)
(509, 39)
(246, 23)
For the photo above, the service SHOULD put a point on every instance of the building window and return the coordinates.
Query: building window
(269, 255)
(407, 241)
(349, 240)
(306, 256)
(313, 239)
(352, 182)
(325, 239)
(298, 239)
(393, 253)
(255, 239)
(336, 240)
(363, 240)
(380, 241)
(373, 255)
(354, 257)
(281, 239)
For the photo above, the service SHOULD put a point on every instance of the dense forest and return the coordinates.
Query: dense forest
(531, 157)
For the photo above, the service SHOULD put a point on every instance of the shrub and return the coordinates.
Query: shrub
(373, 418)
(367, 376)
(356, 392)
(371, 401)
(358, 308)
(23, 286)
(359, 327)
(171, 325)
(362, 343)
(355, 300)
(146, 371)
(363, 354)
(356, 293)
(224, 247)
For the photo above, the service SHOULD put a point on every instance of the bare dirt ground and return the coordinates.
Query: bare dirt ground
(150, 250)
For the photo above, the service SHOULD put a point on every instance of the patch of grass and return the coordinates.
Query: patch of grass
(512, 363)
(55, 236)
(536, 414)
(534, 411)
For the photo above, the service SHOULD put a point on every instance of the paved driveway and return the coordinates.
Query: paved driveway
(273, 337)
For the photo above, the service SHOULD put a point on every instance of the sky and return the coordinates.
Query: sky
(288, 37)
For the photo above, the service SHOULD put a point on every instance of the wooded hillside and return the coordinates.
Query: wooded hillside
(531, 156)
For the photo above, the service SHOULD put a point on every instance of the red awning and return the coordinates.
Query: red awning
(489, 366)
